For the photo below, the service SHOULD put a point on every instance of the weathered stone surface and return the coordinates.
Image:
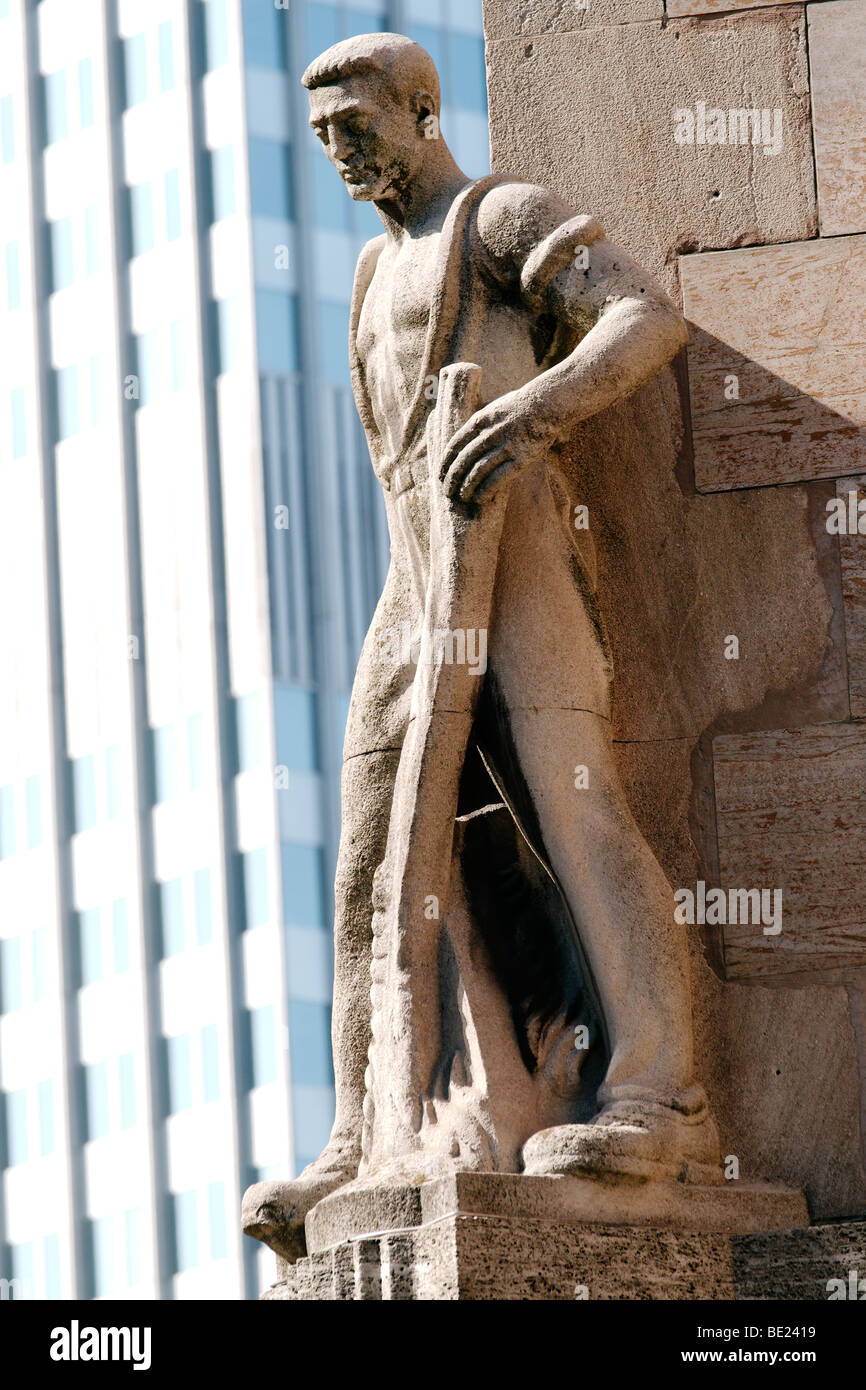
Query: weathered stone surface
(798, 1264)
(777, 362)
(791, 809)
(687, 7)
(596, 109)
(837, 43)
(852, 547)
(528, 17)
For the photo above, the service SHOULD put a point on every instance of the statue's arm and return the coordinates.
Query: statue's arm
(562, 265)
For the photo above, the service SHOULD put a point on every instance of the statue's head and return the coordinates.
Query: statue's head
(374, 104)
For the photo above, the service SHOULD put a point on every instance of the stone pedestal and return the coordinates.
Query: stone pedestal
(503, 1236)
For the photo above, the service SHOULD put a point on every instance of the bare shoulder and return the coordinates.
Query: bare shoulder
(513, 217)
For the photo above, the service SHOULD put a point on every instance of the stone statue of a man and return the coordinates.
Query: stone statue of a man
(505, 816)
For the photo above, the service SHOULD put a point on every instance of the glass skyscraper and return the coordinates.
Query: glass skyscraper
(191, 546)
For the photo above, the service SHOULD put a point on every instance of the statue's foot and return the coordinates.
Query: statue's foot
(639, 1140)
(274, 1212)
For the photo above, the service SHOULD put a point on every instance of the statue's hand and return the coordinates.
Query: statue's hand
(494, 444)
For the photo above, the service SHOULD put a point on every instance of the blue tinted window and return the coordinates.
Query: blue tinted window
(19, 423)
(302, 885)
(133, 1242)
(295, 719)
(222, 173)
(45, 1103)
(90, 945)
(62, 254)
(56, 115)
(68, 418)
(310, 1041)
(165, 46)
(85, 92)
(171, 183)
(216, 1213)
(135, 69)
(171, 915)
(210, 1072)
(96, 370)
(176, 338)
(7, 822)
(91, 240)
(113, 783)
(263, 34)
(165, 762)
(186, 1231)
(256, 892)
(276, 331)
(11, 983)
(13, 276)
(4, 9)
(51, 1263)
(269, 178)
(120, 935)
(179, 1074)
(333, 323)
(141, 218)
(195, 749)
(24, 1264)
(216, 34)
(228, 332)
(126, 1072)
(7, 130)
(322, 27)
(203, 907)
(263, 1032)
(96, 1090)
(331, 201)
(39, 945)
(102, 1252)
(16, 1127)
(84, 791)
(250, 734)
(467, 71)
(147, 355)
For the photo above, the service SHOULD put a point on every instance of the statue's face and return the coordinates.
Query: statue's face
(374, 140)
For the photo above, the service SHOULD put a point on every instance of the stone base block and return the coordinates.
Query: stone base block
(502, 1236)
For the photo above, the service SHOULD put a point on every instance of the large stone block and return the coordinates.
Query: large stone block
(777, 362)
(791, 814)
(522, 18)
(837, 70)
(596, 108)
(687, 7)
(852, 546)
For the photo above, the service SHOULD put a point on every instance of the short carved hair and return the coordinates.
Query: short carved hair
(407, 67)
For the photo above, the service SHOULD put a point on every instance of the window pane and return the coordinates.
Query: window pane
(16, 1127)
(90, 938)
(228, 332)
(7, 130)
(256, 894)
(84, 791)
(126, 1073)
(165, 762)
(295, 720)
(133, 1239)
(331, 203)
(135, 69)
(216, 34)
(19, 423)
(210, 1063)
(179, 1073)
(62, 254)
(96, 1090)
(33, 804)
(468, 83)
(171, 185)
(165, 47)
(24, 1266)
(322, 27)
(302, 885)
(13, 276)
(186, 1231)
(102, 1249)
(263, 35)
(91, 240)
(275, 330)
(310, 1041)
(39, 953)
(11, 982)
(222, 172)
(263, 1030)
(85, 92)
(68, 422)
(7, 822)
(171, 913)
(269, 178)
(45, 1102)
(250, 734)
(56, 119)
(203, 907)
(333, 324)
(147, 353)
(141, 218)
(120, 936)
(216, 1213)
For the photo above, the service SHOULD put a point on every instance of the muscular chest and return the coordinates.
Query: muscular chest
(396, 311)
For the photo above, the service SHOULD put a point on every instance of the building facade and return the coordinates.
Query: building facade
(191, 545)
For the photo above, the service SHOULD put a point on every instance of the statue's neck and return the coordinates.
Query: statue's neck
(422, 205)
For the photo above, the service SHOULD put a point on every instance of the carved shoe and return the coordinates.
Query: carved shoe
(635, 1139)
(274, 1212)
